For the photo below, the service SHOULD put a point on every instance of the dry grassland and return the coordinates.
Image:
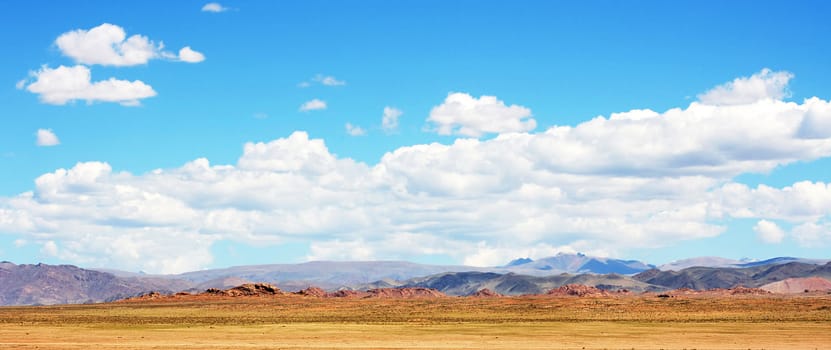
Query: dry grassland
(295, 322)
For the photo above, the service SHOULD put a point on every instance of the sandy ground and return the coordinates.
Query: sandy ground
(447, 323)
(590, 335)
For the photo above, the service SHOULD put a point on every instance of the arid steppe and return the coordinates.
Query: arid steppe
(531, 322)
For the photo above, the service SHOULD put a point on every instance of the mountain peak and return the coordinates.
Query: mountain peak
(519, 261)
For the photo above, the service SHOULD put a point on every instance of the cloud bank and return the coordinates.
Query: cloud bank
(634, 179)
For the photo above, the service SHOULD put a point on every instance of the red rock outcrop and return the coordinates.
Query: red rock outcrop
(346, 293)
(148, 296)
(578, 290)
(405, 293)
(486, 293)
(312, 292)
(741, 290)
(253, 289)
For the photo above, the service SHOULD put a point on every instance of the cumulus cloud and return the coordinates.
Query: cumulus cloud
(45, 137)
(636, 179)
(389, 120)
(108, 45)
(186, 54)
(214, 7)
(766, 84)
(66, 84)
(354, 130)
(816, 124)
(769, 231)
(462, 114)
(313, 105)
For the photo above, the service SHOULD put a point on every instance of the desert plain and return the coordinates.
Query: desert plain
(525, 322)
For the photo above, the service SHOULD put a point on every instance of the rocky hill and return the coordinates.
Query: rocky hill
(799, 285)
(469, 283)
(43, 284)
(713, 277)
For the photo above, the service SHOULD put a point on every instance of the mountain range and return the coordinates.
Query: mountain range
(61, 284)
(712, 261)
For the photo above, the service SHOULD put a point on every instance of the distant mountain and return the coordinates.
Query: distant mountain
(50, 284)
(783, 260)
(43, 284)
(324, 274)
(704, 261)
(577, 263)
(469, 283)
(710, 261)
(340, 274)
(727, 277)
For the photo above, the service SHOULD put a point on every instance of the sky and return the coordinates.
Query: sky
(167, 137)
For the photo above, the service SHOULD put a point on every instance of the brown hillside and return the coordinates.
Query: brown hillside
(798, 285)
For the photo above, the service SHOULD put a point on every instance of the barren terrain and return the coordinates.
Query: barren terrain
(695, 321)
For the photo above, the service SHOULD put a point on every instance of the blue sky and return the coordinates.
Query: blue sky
(492, 146)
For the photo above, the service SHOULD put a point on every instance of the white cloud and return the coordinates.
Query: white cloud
(66, 84)
(328, 80)
(45, 137)
(816, 124)
(19, 243)
(313, 105)
(486, 255)
(325, 80)
(766, 84)
(812, 234)
(462, 114)
(354, 130)
(389, 121)
(340, 250)
(186, 54)
(214, 7)
(637, 179)
(803, 201)
(769, 231)
(49, 248)
(108, 44)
